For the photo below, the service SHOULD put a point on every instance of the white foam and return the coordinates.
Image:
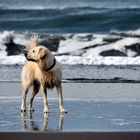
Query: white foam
(3, 36)
(18, 39)
(92, 60)
(48, 4)
(75, 60)
(77, 43)
(118, 45)
(120, 122)
(82, 49)
(131, 32)
(12, 60)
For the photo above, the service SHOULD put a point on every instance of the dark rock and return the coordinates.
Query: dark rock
(112, 53)
(111, 40)
(51, 42)
(60, 54)
(134, 47)
(12, 48)
(94, 46)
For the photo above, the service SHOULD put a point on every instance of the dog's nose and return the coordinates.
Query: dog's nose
(25, 52)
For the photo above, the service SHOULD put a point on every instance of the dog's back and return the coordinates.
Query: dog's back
(31, 72)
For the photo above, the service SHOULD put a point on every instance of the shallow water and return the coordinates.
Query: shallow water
(91, 106)
(128, 73)
(82, 116)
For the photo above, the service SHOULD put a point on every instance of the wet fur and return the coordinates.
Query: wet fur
(35, 74)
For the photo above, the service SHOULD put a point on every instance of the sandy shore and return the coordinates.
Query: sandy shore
(82, 91)
(99, 110)
(91, 107)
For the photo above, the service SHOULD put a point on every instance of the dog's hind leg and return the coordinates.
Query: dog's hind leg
(24, 94)
(36, 86)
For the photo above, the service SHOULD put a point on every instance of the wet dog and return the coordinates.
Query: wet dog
(41, 71)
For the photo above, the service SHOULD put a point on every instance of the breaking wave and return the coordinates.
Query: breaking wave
(114, 48)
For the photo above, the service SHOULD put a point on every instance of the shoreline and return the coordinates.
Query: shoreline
(81, 91)
(91, 107)
(95, 111)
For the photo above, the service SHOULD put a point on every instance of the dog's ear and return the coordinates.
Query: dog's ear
(33, 42)
(42, 53)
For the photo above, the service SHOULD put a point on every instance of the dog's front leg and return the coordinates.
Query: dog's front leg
(44, 94)
(60, 98)
(23, 102)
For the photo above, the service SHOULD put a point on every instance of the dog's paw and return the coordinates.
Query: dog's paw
(63, 111)
(46, 111)
(23, 110)
(31, 110)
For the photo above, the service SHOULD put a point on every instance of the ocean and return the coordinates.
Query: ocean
(77, 31)
(73, 16)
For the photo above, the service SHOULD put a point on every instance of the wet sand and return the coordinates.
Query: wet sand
(81, 91)
(96, 109)
(91, 107)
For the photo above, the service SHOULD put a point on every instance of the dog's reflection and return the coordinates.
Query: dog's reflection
(29, 124)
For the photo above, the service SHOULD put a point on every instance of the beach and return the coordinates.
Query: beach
(105, 102)
(91, 107)
(98, 44)
(95, 110)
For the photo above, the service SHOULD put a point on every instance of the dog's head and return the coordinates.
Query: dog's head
(36, 54)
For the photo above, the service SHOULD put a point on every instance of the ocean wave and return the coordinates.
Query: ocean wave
(75, 60)
(130, 33)
(63, 4)
(68, 7)
(70, 20)
(114, 48)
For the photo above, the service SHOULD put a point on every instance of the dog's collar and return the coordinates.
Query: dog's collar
(51, 67)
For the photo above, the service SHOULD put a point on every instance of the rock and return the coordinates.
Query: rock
(12, 48)
(51, 42)
(134, 47)
(112, 53)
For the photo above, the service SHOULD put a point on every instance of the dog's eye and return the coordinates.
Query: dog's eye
(33, 50)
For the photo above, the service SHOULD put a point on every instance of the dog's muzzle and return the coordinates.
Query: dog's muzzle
(25, 53)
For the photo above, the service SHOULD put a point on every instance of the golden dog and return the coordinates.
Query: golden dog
(41, 70)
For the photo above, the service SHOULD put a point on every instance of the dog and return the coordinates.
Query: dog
(41, 71)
